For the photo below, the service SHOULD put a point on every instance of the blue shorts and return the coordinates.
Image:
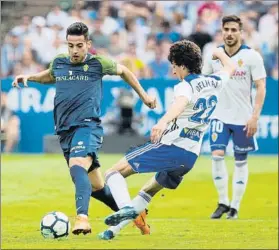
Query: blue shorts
(170, 162)
(220, 134)
(81, 141)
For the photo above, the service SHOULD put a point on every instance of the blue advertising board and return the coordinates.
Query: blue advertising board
(34, 106)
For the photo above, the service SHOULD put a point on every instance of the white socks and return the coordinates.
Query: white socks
(220, 178)
(240, 178)
(116, 229)
(141, 201)
(118, 188)
(120, 193)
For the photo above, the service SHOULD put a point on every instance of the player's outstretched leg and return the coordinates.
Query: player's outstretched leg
(101, 191)
(125, 213)
(83, 191)
(115, 179)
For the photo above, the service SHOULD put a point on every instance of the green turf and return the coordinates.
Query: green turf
(33, 185)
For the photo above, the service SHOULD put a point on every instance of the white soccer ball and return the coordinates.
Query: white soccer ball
(55, 225)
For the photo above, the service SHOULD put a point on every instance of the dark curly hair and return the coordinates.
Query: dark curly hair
(188, 54)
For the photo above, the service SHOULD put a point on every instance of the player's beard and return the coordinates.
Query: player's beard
(232, 43)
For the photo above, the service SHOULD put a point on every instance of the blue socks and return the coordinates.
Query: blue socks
(104, 195)
(83, 188)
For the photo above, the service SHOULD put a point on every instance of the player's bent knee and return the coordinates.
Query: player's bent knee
(220, 153)
(80, 161)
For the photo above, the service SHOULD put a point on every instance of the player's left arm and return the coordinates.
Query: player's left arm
(259, 76)
(110, 67)
(131, 79)
(252, 124)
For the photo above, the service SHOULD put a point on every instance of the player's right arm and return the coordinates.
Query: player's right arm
(182, 96)
(207, 68)
(228, 65)
(44, 77)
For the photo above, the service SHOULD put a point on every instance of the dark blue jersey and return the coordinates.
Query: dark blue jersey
(78, 89)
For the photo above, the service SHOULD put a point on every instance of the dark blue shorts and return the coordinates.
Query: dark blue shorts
(170, 162)
(81, 141)
(220, 134)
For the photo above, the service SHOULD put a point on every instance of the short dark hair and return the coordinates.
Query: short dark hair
(188, 54)
(78, 29)
(232, 18)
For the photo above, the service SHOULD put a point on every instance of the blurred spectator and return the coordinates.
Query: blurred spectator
(115, 48)
(165, 45)
(113, 25)
(57, 17)
(251, 36)
(148, 54)
(125, 102)
(42, 38)
(10, 126)
(24, 28)
(57, 47)
(136, 33)
(132, 62)
(28, 64)
(217, 41)
(233, 7)
(209, 14)
(269, 36)
(256, 8)
(11, 53)
(167, 33)
(28, 46)
(75, 16)
(182, 25)
(108, 24)
(200, 37)
(160, 67)
(99, 39)
(268, 24)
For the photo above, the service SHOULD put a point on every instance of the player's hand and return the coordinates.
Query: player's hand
(217, 52)
(20, 79)
(150, 102)
(157, 131)
(251, 127)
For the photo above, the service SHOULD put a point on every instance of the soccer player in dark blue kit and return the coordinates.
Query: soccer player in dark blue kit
(78, 77)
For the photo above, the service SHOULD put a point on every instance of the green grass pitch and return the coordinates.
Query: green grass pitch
(33, 185)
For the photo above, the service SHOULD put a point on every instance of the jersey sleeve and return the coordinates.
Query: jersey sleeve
(183, 89)
(108, 65)
(257, 66)
(51, 65)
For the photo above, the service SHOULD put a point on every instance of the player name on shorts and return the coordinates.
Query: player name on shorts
(72, 78)
(205, 84)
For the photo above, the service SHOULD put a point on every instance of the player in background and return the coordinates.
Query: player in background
(235, 116)
(175, 140)
(78, 77)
